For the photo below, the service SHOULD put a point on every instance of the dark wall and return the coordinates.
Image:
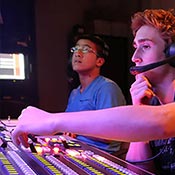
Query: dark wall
(17, 35)
(116, 66)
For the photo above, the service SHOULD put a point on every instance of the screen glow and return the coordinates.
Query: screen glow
(12, 66)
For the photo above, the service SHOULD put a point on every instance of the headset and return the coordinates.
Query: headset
(170, 58)
(169, 52)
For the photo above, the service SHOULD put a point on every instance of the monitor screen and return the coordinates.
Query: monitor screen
(12, 66)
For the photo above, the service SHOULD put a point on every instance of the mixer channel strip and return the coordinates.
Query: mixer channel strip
(6, 168)
(60, 165)
(61, 155)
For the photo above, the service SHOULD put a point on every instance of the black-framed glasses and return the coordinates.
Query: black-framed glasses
(83, 49)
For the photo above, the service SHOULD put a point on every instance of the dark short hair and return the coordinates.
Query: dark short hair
(102, 47)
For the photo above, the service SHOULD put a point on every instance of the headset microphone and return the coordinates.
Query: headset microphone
(170, 54)
(139, 69)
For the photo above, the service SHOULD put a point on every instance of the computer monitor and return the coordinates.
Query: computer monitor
(12, 66)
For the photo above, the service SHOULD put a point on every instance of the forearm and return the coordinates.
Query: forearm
(120, 123)
(138, 151)
(125, 123)
(141, 152)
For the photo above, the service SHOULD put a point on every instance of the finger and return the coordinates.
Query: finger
(20, 139)
(15, 141)
(138, 76)
(24, 140)
(14, 137)
(148, 83)
(149, 93)
(139, 86)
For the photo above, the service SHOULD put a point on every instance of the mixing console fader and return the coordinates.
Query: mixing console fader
(60, 155)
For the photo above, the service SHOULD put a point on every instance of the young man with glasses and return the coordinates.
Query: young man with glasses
(95, 91)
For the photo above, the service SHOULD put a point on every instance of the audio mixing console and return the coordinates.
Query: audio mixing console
(60, 155)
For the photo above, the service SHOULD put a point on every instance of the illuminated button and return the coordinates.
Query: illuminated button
(56, 150)
(47, 139)
(54, 139)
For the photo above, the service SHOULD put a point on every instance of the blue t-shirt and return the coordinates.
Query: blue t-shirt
(101, 93)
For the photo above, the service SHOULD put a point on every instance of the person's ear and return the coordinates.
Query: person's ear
(100, 61)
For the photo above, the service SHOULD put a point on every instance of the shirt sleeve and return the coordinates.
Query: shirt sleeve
(109, 95)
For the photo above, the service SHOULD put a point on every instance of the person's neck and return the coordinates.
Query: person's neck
(166, 91)
(85, 80)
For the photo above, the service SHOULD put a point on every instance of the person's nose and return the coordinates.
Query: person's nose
(78, 53)
(136, 58)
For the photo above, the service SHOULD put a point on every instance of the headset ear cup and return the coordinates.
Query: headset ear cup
(169, 52)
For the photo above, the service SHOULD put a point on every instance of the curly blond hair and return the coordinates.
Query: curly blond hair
(161, 19)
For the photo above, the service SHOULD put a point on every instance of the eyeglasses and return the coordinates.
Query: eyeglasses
(83, 49)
